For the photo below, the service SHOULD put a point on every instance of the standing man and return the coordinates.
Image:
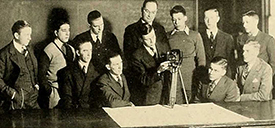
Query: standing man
(113, 86)
(148, 68)
(217, 42)
(220, 87)
(18, 70)
(190, 43)
(255, 77)
(267, 42)
(77, 81)
(101, 39)
(132, 36)
(56, 55)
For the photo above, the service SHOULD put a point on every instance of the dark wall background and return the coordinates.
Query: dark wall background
(117, 13)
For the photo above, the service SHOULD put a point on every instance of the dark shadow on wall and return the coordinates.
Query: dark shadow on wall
(107, 25)
(55, 15)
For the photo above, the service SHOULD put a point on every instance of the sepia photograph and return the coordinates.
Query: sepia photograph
(137, 63)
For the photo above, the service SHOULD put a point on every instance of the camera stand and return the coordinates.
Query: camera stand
(172, 98)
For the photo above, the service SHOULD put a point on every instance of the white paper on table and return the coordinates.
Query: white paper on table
(158, 115)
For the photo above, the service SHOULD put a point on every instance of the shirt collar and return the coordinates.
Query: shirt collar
(58, 42)
(94, 36)
(186, 30)
(209, 32)
(142, 21)
(115, 76)
(18, 47)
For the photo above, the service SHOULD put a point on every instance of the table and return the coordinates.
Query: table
(262, 112)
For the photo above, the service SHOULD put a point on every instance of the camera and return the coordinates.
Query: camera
(175, 57)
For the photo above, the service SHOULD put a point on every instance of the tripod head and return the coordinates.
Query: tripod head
(175, 57)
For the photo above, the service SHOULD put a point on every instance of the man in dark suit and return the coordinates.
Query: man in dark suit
(148, 69)
(101, 39)
(77, 81)
(132, 36)
(18, 70)
(267, 42)
(217, 42)
(220, 87)
(255, 77)
(113, 86)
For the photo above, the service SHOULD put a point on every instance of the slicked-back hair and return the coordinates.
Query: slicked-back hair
(220, 61)
(215, 9)
(147, 1)
(178, 9)
(19, 25)
(251, 13)
(93, 15)
(60, 23)
(80, 41)
(111, 54)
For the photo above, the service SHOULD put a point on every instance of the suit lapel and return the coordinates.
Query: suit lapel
(147, 57)
(219, 87)
(115, 85)
(125, 87)
(14, 56)
(252, 73)
(79, 77)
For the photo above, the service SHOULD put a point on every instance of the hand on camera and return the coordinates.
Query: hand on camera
(163, 66)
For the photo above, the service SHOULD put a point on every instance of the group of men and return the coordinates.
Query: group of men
(88, 71)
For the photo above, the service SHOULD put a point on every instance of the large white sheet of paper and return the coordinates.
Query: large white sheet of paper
(157, 115)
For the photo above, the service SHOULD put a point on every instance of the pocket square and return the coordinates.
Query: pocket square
(255, 80)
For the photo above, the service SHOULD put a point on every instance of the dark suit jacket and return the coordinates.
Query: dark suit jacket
(133, 38)
(258, 84)
(112, 94)
(12, 77)
(76, 89)
(109, 42)
(147, 83)
(226, 90)
(267, 49)
(224, 47)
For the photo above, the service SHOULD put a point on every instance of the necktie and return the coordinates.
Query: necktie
(63, 48)
(245, 72)
(25, 51)
(211, 88)
(211, 37)
(97, 40)
(119, 81)
(84, 69)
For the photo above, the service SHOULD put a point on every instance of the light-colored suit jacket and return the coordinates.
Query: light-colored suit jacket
(226, 90)
(258, 84)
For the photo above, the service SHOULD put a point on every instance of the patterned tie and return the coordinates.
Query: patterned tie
(245, 72)
(211, 88)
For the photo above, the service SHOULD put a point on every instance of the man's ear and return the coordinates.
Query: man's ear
(77, 52)
(16, 35)
(55, 32)
(108, 66)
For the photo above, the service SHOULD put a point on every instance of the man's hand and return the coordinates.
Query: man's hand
(163, 66)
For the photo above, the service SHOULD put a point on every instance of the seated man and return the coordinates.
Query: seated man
(76, 81)
(254, 78)
(113, 86)
(221, 87)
